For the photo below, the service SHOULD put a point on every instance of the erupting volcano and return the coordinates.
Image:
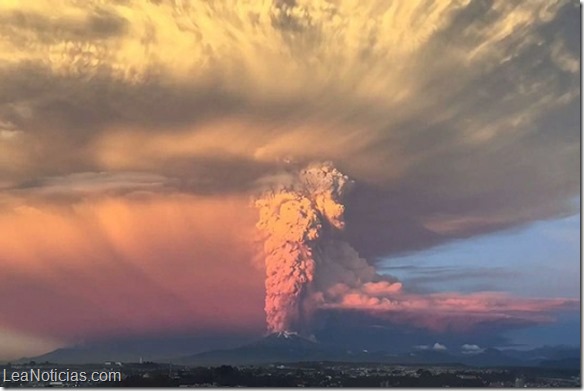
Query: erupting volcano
(308, 264)
(295, 219)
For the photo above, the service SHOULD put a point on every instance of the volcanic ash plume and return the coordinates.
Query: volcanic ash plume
(310, 267)
(294, 219)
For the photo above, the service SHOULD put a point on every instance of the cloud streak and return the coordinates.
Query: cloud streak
(448, 311)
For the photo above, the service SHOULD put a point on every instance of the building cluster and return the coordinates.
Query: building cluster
(323, 374)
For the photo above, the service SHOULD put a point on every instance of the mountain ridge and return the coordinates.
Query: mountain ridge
(288, 347)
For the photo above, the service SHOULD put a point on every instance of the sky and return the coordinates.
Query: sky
(534, 261)
(537, 261)
(135, 135)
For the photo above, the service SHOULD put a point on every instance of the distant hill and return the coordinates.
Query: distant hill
(288, 347)
(493, 358)
(573, 363)
(161, 349)
(83, 355)
(276, 347)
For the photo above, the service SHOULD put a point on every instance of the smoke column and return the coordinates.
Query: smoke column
(309, 266)
(294, 220)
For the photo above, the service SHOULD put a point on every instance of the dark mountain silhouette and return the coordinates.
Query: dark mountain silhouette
(287, 347)
(492, 357)
(573, 363)
(83, 355)
(276, 347)
(290, 347)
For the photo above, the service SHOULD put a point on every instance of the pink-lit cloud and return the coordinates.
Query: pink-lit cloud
(111, 266)
(445, 311)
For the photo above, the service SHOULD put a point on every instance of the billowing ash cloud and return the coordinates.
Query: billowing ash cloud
(309, 266)
(296, 220)
(306, 259)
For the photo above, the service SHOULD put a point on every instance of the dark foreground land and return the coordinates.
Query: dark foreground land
(321, 374)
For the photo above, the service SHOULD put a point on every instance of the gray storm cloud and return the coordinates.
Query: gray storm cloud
(294, 220)
(455, 119)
